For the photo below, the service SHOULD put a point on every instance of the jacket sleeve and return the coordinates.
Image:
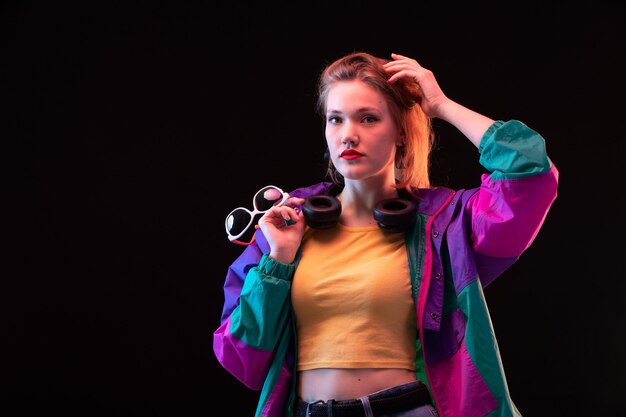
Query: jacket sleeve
(514, 197)
(255, 313)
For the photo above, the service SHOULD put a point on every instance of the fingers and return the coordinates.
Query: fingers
(290, 214)
(402, 62)
(286, 207)
(291, 201)
(280, 216)
(400, 58)
(404, 67)
(409, 74)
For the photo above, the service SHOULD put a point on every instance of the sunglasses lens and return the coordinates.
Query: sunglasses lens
(237, 221)
(267, 197)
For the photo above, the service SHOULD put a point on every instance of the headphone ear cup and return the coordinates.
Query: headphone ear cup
(395, 214)
(321, 211)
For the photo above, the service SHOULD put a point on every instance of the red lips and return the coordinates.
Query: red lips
(350, 154)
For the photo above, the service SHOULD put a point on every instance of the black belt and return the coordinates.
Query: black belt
(381, 403)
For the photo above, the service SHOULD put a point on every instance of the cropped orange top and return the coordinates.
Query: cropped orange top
(351, 295)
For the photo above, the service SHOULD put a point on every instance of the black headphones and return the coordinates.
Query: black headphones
(393, 214)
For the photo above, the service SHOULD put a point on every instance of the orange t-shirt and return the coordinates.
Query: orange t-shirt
(351, 295)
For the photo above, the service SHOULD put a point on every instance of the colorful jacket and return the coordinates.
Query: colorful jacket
(462, 240)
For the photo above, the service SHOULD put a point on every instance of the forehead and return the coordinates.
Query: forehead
(355, 95)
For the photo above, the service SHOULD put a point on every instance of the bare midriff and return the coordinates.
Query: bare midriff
(345, 384)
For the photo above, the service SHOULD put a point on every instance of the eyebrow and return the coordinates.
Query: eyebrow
(360, 110)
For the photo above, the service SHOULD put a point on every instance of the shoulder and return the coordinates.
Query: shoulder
(309, 190)
(430, 200)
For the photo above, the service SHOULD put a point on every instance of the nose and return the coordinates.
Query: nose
(349, 135)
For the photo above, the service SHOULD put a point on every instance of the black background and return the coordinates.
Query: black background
(129, 130)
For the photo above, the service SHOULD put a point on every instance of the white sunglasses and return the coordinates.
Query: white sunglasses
(239, 221)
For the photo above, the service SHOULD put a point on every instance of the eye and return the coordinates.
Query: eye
(370, 119)
(333, 120)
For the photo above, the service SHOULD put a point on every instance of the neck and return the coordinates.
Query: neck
(358, 199)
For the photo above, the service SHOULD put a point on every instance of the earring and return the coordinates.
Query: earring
(331, 171)
(400, 154)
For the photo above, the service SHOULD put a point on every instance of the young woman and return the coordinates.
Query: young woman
(362, 296)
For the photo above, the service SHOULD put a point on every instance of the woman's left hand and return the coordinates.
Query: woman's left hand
(429, 95)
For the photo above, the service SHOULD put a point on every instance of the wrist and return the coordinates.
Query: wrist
(447, 109)
(284, 257)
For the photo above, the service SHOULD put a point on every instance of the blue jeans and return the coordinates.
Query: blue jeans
(421, 411)
(426, 410)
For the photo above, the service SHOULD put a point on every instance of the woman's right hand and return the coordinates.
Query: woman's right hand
(283, 227)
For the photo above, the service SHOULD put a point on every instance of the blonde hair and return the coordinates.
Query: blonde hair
(412, 161)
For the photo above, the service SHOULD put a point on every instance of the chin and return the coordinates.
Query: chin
(351, 176)
(360, 172)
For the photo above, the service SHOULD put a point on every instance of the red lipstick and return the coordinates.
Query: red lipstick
(350, 154)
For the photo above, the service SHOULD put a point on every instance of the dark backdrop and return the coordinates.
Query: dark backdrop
(130, 130)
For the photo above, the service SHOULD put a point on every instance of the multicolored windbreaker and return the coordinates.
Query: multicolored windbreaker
(461, 242)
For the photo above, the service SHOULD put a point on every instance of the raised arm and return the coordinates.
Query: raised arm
(508, 209)
(433, 100)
